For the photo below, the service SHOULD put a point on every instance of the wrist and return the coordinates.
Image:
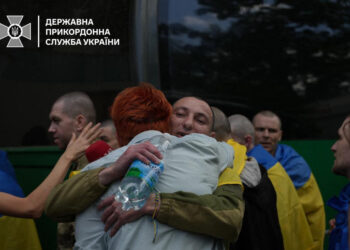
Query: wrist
(152, 205)
(67, 157)
(104, 177)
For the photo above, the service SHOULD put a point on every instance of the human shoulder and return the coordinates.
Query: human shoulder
(263, 157)
(294, 164)
(286, 155)
(206, 146)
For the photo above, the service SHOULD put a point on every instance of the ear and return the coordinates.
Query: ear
(248, 140)
(80, 122)
(212, 134)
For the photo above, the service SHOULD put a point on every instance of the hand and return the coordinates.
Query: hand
(145, 152)
(77, 145)
(114, 216)
(331, 225)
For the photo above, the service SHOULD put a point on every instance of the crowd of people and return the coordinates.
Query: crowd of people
(228, 182)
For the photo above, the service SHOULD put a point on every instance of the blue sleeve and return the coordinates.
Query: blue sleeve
(5, 165)
(339, 235)
(8, 182)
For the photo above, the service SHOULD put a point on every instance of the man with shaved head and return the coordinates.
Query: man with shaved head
(70, 114)
(268, 130)
(191, 115)
(268, 133)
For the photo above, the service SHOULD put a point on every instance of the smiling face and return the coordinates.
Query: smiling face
(267, 132)
(191, 115)
(341, 150)
(61, 126)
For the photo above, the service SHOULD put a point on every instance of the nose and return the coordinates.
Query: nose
(266, 133)
(188, 123)
(51, 128)
(334, 147)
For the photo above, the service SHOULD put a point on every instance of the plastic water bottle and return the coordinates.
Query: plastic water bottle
(141, 178)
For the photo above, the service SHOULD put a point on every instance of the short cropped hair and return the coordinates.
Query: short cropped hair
(221, 125)
(269, 113)
(240, 127)
(108, 123)
(137, 109)
(78, 103)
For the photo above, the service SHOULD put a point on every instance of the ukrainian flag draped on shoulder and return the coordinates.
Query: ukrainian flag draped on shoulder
(295, 165)
(16, 233)
(293, 222)
(231, 175)
(307, 189)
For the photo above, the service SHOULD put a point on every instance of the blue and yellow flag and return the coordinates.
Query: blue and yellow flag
(16, 233)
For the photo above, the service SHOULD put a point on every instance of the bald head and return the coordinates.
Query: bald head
(70, 114)
(221, 125)
(191, 115)
(242, 130)
(78, 103)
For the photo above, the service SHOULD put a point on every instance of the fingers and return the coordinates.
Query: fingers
(73, 138)
(71, 141)
(94, 132)
(115, 228)
(154, 150)
(107, 213)
(150, 154)
(91, 132)
(114, 216)
(110, 214)
(86, 129)
(106, 202)
(145, 152)
(125, 217)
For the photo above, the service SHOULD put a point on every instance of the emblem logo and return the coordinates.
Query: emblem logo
(15, 31)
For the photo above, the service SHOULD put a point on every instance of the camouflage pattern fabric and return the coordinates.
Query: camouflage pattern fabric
(65, 231)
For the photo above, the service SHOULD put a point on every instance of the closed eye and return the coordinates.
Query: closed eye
(180, 114)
